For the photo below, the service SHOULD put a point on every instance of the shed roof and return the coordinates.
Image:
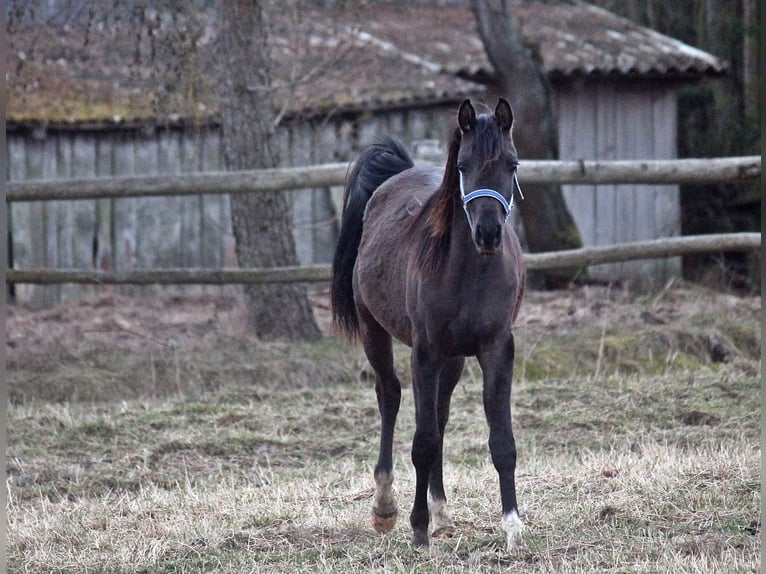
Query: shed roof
(573, 38)
(75, 76)
(370, 57)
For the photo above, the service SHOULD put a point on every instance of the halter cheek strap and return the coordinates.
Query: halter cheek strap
(467, 198)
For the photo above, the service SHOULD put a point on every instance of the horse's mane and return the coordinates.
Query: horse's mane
(438, 211)
(445, 198)
(440, 208)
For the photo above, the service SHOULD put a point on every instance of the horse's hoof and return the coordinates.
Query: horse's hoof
(446, 531)
(513, 527)
(420, 538)
(515, 543)
(383, 522)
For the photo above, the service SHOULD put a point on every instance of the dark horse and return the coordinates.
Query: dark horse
(421, 260)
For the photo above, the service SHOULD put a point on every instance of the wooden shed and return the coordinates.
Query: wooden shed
(77, 111)
(615, 87)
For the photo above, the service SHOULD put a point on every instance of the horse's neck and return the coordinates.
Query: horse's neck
(462, 257)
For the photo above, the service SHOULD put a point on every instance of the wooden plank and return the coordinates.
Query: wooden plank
(64, 215)
(656, 248)
(125, 209)
(300, 154)
(644, 196)
(577, 141)
(323, 229)
(629, 110)
(630, 107)
(219, 247)
(667, 247)
(345, 151)
(303, 274)
(83, 212)
(148, 231)
(33, 157)
(667, 197)
(216, 215)
(606, 206)
(369, 129)
(325, 226)
(17, 170)
(683, 171)
(171, 248)
(643, 273)
(50, 171)
(18, 213)
(104, 218)
(192, 208)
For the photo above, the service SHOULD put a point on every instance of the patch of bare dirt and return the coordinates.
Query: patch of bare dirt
(130, 323)
(206, 321)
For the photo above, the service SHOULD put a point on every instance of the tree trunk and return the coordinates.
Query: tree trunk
(261, 222)
(548, 224)
(750, 63)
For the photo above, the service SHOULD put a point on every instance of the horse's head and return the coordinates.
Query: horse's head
(487, 164)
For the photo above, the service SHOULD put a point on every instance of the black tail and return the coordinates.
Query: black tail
(377, 163)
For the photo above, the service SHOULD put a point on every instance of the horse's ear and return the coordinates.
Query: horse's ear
(504, 114)
(466, 116)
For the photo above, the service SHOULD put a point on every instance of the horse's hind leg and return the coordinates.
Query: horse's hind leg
(437, 500)
(379, 351)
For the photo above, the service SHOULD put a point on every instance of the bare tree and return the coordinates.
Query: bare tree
(548, 224)
(261, 223)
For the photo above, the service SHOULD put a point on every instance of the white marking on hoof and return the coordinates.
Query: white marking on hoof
(383, 524)
(384, 511)
(513, 527)
(440, 519)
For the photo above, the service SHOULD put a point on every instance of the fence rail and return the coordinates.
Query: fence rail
(680, 171)
(685, 171)
(657, 248)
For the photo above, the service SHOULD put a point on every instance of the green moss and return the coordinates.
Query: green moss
(568, 237)
(648, 352)
(746, 337)
(99, 430)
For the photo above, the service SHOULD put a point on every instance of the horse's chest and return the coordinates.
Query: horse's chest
(462, 327)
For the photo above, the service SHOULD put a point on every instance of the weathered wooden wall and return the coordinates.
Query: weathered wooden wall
(145, 233)
(610, 121)
(120, 234)
(597, 120)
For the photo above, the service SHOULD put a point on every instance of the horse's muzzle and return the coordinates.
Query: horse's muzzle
(487, 238)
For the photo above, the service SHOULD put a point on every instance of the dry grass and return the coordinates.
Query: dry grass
(648, 469)
(664, 510)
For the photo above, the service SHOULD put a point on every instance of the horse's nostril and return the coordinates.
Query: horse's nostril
(488, 236)
(489, 233)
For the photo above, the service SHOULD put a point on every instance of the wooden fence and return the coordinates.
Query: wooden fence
(718, 170)
(668, 247)
(679, 171)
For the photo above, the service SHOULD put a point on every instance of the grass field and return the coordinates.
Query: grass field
(637, 427)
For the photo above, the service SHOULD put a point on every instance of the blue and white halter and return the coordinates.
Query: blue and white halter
(467, 198)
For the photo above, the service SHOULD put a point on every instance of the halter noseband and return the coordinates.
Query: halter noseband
(467, 198)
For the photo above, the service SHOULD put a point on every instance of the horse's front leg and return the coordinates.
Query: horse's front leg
(497, 366)
(378, 348)
(427, 440)
(437, 499)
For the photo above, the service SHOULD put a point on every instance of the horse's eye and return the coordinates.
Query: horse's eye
(461, 167)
